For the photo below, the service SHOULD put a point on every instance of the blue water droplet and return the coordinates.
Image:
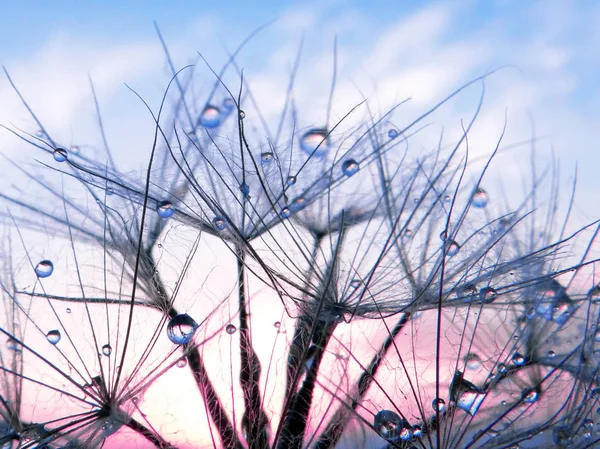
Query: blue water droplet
(518, 359)
(228, 104)
(438, 404)
(266, 157)
(315, 142)
(74, 149)
(291, 180)
(181, 328)
(107, 350)
(529, 395)
(219, 223)
(285, 212)
(230, 329)
(242, 115)
(165, 209)
(451, 247)
(60, 155)
(297, 204)
(350, 167)
(480, 198)
(210, 117)
(487, 295)
(53, 336)
(44, 269)
(245, 189)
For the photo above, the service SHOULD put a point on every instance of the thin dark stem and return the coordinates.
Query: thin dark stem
(254, 420)
(151, 436)
(334, 429)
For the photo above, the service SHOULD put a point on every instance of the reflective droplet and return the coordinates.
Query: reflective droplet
(451, 247)
(315, 142)
(407, 233)
(228, 104)
(465, 394)
(480, 198)
(44, 269)
(310, 357)
(181, 328)
(68, 310)
(218, 223)
(529, 395)
(53, 336)
(245, 189)
(470, 401)
(443, 235)
(551, 354)
(13, 345)
(447, 198)
(487, 295)
(40, 134)
(417, 431)
(277, 324)
(438, 404)
(230, 329)
(74, 149)
(389, 424)
(181, 363)
(297, 204)
(392, 133)
(210, 117)
(291, 180)
(472, 361)
(588, 423)
(355, 283)
(266, 157)
(165, 209)
(350, 167)
(60, 155)
(242, 115)
(107, 350)
(285, 212)
(501, 368)
(518, 359)
(595, 393)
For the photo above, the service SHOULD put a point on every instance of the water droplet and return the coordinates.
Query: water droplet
(74, 149)
(107, 350)
(53, 336)
(392, 133)
(13, 345)
(551, 354)
(480, 198)
(109, 191)
(242, 115)
(472, 361)
(350, 167)
(266, 157)
(355, 283)
(529, 395)
(210, 117)
(228, 104)
(501, 368)
(230, 329)
(443, 235)
(40, 134)
(44, 269)
(389, 424)
(60, 155)
(291, 180)
(470, 401)
(218, 223)
(315, 142)
(588, 423)
(518, 359)
(181, 363)
(135, 400)
(595, 393)
(407, 233)
(447, 198)
(68, 310)
(438, 404)
(297, 204)
(277, 324)
(487, 295)
(181, 328)
(245, 189)
(417, 431)
(451, 247)
(285, 212)
(165, 209)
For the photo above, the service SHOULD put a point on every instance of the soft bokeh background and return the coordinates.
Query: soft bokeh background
(387, 51)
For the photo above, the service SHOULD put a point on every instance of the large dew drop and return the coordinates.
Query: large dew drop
(391, 426)
(210, 117)
(480, 198)
(451, 247)
(315, 142)
(44, 269)
(165, 209)
(60, 155)
(53, 336)
(181, 328)
(350, 167)
(438, 405)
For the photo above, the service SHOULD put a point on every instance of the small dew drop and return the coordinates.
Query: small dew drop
(60, 155)
(501, 368)
(355, 283)
(13, 345)
(74, 149)
(242, 115)
(68, 310)
(44, 269)
(53, 336)
(451, 247)
(529, 395)
(266, 157)
(228, 104)
(291, 180)
(218, 223)
(107, 350)
(551, 354)
(447, 198)
(392, 133)
(518, 359)
(285, 212)
(388, 424)
(210, 117)
(230, 329)
(181, 328)
(297, 204)
(472, 361)
(407, 233)
(350, 167)
(40, 134)
(315, 142)
(438, 404)
(181, 363)
(480, 198)
(165, 209)
(277, 324)
(245, 189)
(487, 295)
(443, 235)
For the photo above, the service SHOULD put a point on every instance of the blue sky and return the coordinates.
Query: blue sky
(388, 51)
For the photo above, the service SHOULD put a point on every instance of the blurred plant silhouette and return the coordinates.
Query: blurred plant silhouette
(412, 309)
